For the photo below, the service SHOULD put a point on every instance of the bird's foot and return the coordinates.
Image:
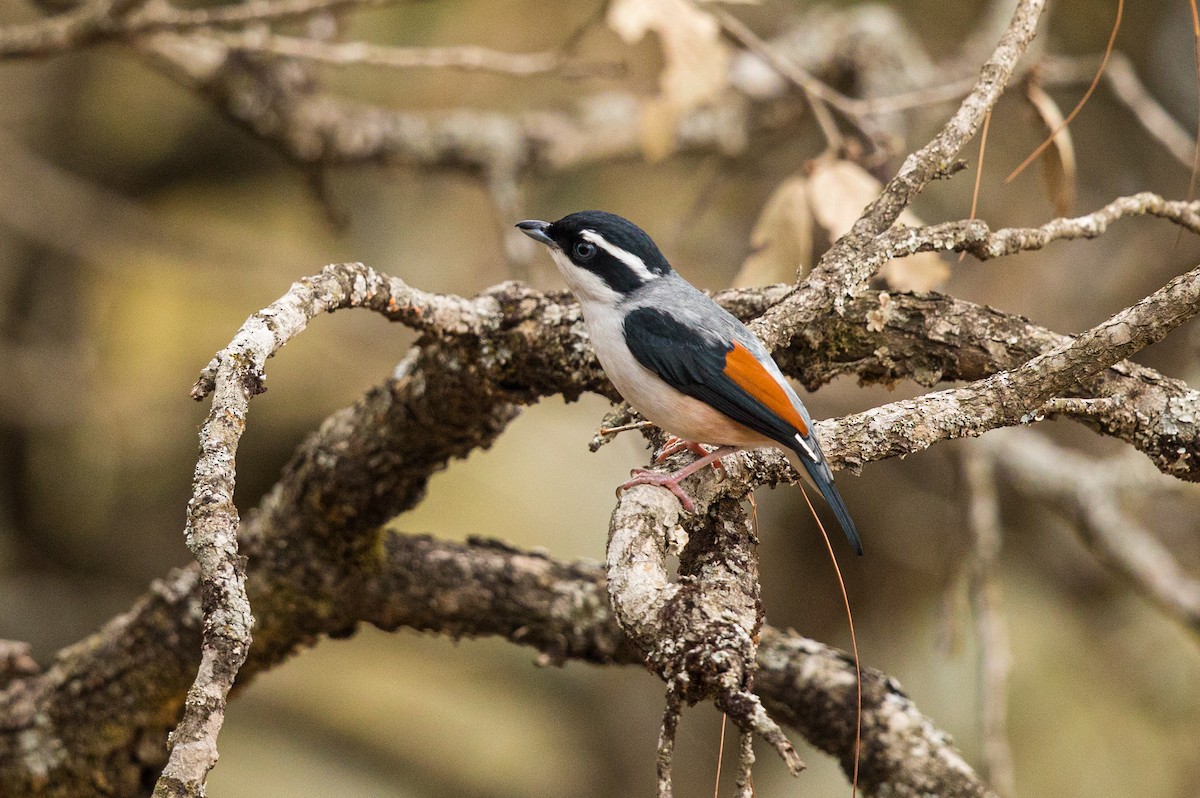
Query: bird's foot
(642, 476)
(675, 445)
(669, 481)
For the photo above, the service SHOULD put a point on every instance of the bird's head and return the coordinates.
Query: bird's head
(602, 256)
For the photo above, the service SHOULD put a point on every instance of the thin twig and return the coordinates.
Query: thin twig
(907, 100)
(666, 741)
(819, 95)
(1112, 38)
(745, 778)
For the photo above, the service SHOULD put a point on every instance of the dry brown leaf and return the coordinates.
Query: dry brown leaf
(782, 238)
(1058, 160)
(695, 62)
(838, 191)
(658, 121)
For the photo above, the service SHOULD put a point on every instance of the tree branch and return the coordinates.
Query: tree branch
(847, 265)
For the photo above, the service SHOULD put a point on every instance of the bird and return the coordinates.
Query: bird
(678, 358)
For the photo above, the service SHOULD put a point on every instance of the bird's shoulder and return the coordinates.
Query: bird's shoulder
(672, 305)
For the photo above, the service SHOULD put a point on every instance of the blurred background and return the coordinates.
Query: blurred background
(139, 227)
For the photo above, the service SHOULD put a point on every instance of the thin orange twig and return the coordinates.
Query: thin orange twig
(1112, 38)
(987, 121)
(853, 641)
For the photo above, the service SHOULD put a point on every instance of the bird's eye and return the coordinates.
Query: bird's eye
(585, 250)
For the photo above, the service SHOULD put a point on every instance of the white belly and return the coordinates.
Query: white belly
(657, 401)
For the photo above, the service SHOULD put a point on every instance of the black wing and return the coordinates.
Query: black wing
(694, 365)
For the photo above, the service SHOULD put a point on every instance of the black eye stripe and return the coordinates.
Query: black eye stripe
(614, 272)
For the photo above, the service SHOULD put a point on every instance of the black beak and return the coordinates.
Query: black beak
(537, 231)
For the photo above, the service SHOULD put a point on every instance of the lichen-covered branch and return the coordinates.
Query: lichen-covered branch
(234, 376)
(697, 634)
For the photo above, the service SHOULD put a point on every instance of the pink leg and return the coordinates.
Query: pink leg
(671, 481)
(675, 445)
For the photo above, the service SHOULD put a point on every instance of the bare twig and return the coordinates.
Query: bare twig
(1128, 88)
(976, 238)
(745, 777)
(995, 658)
(664, 759)
(1063, 123)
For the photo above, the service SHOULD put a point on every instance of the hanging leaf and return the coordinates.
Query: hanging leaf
(1058, 160)
(838, 191)
(782, 238)
(695, 62)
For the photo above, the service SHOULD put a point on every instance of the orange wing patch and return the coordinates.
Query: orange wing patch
(749, 374)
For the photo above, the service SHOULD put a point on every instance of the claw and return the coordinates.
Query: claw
(669, 481)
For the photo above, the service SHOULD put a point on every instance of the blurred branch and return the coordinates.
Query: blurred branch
(241, 72)
(82, 219)
(16, 662)
(89, 21)
(467, 58)
(1087, 491)
(1122, 79)
(995, 657)
(819, 96)
(94, 21)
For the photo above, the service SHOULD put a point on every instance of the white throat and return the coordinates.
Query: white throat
(587, 287)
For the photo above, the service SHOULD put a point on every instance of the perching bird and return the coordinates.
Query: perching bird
(680, 359)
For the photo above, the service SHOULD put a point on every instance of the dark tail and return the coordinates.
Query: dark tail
(823, 479)
(830, 492)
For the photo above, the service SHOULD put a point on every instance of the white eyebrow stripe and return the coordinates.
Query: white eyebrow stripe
(628, 258)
